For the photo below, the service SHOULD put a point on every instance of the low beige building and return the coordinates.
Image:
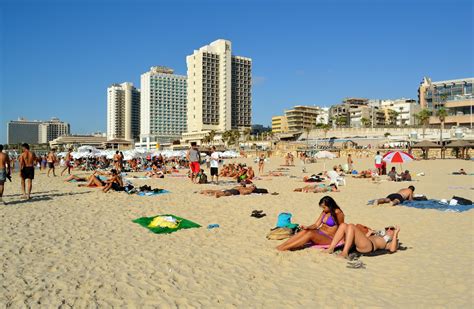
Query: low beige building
(73, 141)
(279, 124)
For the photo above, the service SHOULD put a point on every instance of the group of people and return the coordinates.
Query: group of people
(331, 230)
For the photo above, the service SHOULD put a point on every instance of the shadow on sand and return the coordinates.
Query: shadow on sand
(44, 197)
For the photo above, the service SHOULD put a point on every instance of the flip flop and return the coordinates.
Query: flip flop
(356, 265)
(257, 211)
(258, 215)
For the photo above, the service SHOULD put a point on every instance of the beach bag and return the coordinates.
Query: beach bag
(284, 219)
(462, 200)
(280, 233)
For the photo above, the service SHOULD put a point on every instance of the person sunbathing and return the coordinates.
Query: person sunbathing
(365, 242)
(94, 181)
(363, 174)
(114, 182)
(321, 188)
(461, 172)
(313, 178)
(239, 190)
(76, 178)
(273, 173)
(322, 231)
(399, 197)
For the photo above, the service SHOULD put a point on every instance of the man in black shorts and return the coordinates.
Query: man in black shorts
(27, 170)
(399, 197)
(214, 165)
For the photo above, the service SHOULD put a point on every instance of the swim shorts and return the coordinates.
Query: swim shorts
(232, 191)
(214, 171)
(3, 176)
(195, 167)
(50, 164)
(28, 172)
(395, 196)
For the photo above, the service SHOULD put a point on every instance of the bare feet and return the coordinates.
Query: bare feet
(343, 255)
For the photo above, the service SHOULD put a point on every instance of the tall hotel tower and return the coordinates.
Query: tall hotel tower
(219, 90)
(163, 107)
(123, 112)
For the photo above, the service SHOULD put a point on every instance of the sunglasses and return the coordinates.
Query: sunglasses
(390, 228)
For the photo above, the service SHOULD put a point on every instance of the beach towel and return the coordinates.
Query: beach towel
(435, 204)
(152, 193)
(183, 224)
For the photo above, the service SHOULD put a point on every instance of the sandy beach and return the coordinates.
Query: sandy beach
(78, 247)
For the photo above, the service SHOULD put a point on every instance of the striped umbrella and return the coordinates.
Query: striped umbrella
(397, 157)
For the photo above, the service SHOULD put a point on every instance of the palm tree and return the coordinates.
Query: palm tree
(247, 132)
(307, 130)
(365, 122)
(441, 114)
(226, 137)
(392, 116)
(212, 135)
(236, 136)
(423, 118)
(341, 120)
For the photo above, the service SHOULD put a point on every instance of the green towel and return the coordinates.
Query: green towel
(185, 224)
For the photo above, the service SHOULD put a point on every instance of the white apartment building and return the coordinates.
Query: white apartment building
(323, 116)
(406, 110)
(123, 111)
(219, 90)
(163, 107)
(50, 130)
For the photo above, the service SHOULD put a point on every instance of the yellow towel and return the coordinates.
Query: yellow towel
(161, 222)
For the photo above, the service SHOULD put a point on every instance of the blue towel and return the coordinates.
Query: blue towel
(152, 193)
(435, 204)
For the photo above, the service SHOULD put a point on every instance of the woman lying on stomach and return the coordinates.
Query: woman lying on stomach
(322, 231)
(365, 242)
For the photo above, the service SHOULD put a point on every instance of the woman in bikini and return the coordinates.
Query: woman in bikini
(322, 231)
(261, 163)
(365, 242)
(321, 188)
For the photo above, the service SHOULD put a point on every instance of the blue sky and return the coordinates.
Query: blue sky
(58, 57)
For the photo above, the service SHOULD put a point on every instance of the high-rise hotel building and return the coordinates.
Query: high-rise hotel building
(163, 106)
(123, 112)
(219, 90)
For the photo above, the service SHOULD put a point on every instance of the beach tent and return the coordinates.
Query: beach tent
(325, 155)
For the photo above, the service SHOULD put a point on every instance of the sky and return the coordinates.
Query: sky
(57, 58)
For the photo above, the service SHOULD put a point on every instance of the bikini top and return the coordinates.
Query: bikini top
(385, 237)
(329, 222)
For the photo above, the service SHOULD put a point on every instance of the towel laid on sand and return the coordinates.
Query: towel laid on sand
(183, 224)
(435, 204)
(152, 193)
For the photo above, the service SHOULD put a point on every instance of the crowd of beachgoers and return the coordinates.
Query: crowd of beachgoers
(329, 230)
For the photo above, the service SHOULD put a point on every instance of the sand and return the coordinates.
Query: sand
(77, 247)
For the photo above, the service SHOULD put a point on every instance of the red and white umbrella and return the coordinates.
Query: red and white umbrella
(397, 157)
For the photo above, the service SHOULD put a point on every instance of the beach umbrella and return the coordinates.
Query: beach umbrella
(398, 157)
(325, 155)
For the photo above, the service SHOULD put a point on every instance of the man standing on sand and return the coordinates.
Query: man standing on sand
(68, 163)
(27, 169)
(5, 171)
(399, 197)
(214, 165)
(51, 161)
(194, 158)
(350, 162)
(378, 162)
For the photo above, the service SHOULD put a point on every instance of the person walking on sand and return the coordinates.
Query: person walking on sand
(5, 171)
(261, 163)
(378, 162)
(68, 163)
(51, 161)
(194, 158)
(214, 165)
(27, 170)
